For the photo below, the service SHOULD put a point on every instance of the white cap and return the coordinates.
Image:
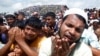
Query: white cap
(77, 11)
(95, 20)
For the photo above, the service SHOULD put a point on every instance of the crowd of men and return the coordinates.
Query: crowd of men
(69, 32)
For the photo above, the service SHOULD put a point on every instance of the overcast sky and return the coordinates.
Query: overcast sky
(14, 5)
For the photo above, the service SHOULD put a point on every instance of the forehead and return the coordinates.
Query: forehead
(73, 19)
(29, 27)
(10, 18)
(49, 17)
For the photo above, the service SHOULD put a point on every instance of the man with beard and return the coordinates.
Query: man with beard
(66, 42)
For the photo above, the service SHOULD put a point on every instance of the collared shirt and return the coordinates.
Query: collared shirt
(90, 39)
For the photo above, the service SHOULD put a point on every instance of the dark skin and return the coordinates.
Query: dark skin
(61, 47)
(22, 43)
(48, 31)
(68, 34)
(17, 35)
(5, 49)
(96, 52)
(3, 29)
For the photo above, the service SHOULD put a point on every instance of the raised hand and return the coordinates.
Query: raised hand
(19, 36)
(11, 34)
(61, 46)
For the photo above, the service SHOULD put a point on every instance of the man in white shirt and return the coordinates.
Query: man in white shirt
(66, 42)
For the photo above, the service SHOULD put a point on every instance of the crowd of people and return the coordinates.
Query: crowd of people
(69, 32)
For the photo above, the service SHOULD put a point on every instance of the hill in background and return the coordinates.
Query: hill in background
(42, 9)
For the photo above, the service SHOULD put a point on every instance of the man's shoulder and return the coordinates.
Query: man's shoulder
(82, 45)
(47, 41)
(82, 49)
(45, 49)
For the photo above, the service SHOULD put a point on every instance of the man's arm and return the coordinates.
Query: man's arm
(4, 50)
(96, 52)
(23, 45)
(27, 49)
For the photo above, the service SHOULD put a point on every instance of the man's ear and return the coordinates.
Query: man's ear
(59, 24)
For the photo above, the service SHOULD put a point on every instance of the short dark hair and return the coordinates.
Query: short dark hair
(10, 16)
(52, 14)
(22, 13)
(34, 22)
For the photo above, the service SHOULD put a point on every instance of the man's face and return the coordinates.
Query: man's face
(30, 33)
(49, 20)
(17, 50)
(10, 21)
(71, 28)
(20, 17)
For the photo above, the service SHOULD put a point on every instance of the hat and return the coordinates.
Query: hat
(95, 20)
(77, 11)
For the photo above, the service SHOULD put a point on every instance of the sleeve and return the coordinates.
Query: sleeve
(94, 42)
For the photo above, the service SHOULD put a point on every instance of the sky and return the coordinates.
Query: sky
(14, 5)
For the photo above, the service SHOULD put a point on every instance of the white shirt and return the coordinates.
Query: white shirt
(81, 49)
(1, 45)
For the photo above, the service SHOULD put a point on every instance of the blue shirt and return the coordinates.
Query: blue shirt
(90, 39)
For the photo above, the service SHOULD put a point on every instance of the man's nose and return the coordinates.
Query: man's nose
(72, 31)
(29, 32)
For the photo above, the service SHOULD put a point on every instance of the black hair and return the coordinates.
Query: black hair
(80, 17)
(65, 7)
(1, 20)
(10, 16)
(34, 22)
(52, 14)
(19, 24)
(22, 13)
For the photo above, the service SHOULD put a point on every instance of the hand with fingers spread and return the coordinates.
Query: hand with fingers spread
(55, 46)
(61, 46)
(49, 31)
